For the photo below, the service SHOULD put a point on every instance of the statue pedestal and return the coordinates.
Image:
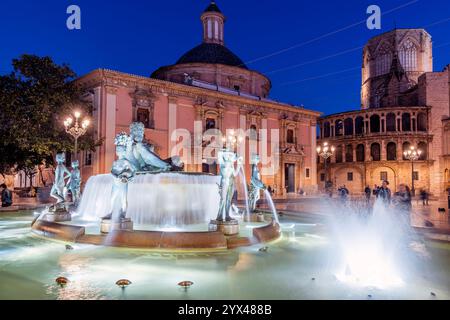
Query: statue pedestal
(254, 217)
(228, 228)
(57, 213)
(108, 225)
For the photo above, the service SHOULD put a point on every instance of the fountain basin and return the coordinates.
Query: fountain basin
(108, 225)
(161, 240)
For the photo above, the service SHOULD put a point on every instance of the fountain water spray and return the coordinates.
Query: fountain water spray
(272, 206)
(372, 247)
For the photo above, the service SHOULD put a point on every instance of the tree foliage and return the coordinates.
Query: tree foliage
(35, 98)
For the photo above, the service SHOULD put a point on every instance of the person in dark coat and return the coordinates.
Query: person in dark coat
(384, 193)
(368, 193)
(6, 196)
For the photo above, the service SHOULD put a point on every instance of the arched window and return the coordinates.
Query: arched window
(375, 152)
(422, 146)
(406, 122)
(421, 122)
(326, 129)
(391, 151)
(408, 55)
(383, 60)
(290, 136)
(338, 128)
(359, 125)
(375, 123)
(405, 147)
(390, 122)
(360, 153)
(348, 127)
(339, 154)
(349, 153)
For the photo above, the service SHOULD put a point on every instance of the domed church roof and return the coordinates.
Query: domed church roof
(212, 53)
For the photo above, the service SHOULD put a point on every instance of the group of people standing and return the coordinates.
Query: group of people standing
(402, 199)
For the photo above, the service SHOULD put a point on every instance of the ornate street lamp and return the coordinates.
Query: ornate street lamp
(230, 142)
(412, 155)
(76, 130)
(325, 152)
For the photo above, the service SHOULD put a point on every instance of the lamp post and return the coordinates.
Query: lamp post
(325, 152)
(412, 155)
(231, 141)
(76, 130)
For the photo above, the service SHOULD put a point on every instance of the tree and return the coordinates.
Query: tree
(34, 100)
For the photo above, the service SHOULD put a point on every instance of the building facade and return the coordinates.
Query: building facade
(208, 89)
(403, 103)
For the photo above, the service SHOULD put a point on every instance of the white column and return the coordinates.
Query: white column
(313, 173)
(172, 126)
(110, 129)
(97, 127)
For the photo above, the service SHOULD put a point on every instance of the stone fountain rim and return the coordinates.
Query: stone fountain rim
(165, 241)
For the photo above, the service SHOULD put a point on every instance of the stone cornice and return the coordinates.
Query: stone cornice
(114, 78)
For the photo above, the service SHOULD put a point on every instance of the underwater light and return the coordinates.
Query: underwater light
(185, 284)
(62, 281)
(123, 283)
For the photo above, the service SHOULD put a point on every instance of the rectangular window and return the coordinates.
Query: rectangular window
(416, 175)
(307, 173)
(322, 177)
(383, 175)
(349, 176)
(88, 158)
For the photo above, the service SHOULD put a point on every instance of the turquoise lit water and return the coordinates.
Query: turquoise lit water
(29, 266)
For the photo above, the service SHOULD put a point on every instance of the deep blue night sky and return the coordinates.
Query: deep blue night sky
(138, 36)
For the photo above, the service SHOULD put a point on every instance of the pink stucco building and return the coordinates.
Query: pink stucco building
(208, 88)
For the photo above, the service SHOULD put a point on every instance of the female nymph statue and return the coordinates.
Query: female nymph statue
(228, 173)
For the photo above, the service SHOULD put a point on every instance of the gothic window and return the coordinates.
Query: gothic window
(383, 60)
(348, 127)
(210, 123)
(408, 55)
(338, 128)
(339, 154)
(406, 122)
(391, 151)
(359, 125)
(360, 153)
(405, 147)
(326, 129)
(143, 115)
(375, 152)
(290, 136)
(375, 123)
(421, 122)
(390, 122)
(349, 153)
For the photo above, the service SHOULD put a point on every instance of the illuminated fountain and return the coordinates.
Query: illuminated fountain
(372, 248)
(148, 202)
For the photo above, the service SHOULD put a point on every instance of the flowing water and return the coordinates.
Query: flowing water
(271, 206)
(301, 265)
(165, 199)
(244, 185)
